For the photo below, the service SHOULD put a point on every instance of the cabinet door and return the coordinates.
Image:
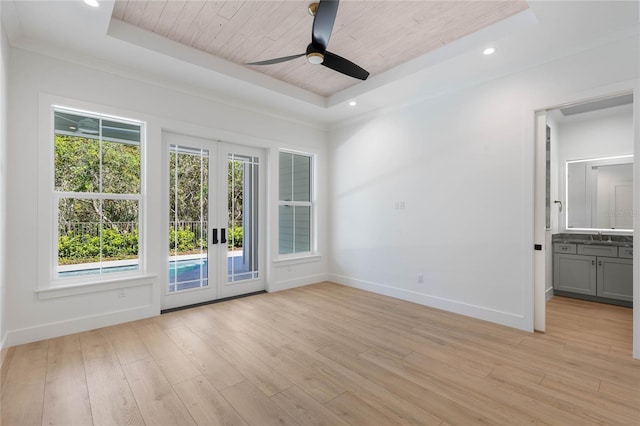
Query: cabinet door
(574, 273)
(615, 278)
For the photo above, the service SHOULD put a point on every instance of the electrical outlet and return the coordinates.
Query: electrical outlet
(420, 278)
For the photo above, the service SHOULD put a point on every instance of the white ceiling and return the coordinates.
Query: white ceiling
(547, 30)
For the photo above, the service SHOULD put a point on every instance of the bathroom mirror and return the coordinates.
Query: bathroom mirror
(600, 194)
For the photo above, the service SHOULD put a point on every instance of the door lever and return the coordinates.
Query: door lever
(223, 235)
(214, 236)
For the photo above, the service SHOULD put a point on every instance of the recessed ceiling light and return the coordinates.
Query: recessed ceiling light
(353, 103)
(489, 50)
(92, 3)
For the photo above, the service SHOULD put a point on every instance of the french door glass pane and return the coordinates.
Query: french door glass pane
(189, 212)
(242, 228)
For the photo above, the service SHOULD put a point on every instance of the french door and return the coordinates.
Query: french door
(215, 208)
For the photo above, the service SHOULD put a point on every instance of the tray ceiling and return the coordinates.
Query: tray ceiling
(377, 35)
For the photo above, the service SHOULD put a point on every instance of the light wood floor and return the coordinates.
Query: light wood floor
(332, 355)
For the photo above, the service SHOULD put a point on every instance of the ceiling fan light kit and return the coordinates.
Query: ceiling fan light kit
(324, 16)
(315, 58)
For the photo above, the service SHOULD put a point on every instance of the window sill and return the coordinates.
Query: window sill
(285, 261)
(93, 287)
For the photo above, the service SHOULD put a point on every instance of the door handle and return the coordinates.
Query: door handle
(214, 236)
(223, 235)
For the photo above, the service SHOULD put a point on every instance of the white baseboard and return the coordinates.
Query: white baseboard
(297, 282)
(504, 318)
(548, 293)
(77, 325)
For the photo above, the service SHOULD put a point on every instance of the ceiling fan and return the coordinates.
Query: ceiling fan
(324, 13)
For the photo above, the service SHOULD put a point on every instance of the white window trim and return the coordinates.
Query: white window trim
(305, 256)
(47, 285)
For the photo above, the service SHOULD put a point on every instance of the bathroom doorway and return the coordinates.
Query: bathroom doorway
(584, 203)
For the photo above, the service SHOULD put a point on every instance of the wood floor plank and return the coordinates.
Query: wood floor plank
(156, 399)
(22, 405)
(173, 363)
(126, 343)
(389, 404)
(496, 405)
(7, 356)
(61, 345)
(329, 354)
(66, 398)
(432, 402)
(355, 411)
(249, 366)
(205, 404)
(29, 362)
(627, 394)
(255, 407)
(112, 402)
(215, 368)
(276, 358)
(95, 344)
(594, 400)
(304, 409)
(23, 394)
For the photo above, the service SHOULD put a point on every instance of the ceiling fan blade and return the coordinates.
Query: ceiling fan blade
(323, 23)
(276, 60)
(340, 64)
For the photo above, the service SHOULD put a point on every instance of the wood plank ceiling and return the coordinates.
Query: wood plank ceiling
(377, 35)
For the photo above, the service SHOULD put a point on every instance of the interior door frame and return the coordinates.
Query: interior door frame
(631, 86)
(539, 224)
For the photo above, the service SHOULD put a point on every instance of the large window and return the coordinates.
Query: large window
(97, 194)
(295, 215)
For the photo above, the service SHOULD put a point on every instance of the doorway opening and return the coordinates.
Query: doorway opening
(215, 211)
(584, 210)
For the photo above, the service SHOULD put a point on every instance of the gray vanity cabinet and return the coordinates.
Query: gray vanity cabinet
(615, 278)
(574, 273)
(595, 271)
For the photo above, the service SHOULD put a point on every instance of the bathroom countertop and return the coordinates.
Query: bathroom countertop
(607, 240)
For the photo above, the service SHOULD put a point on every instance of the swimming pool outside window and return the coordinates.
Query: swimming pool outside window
(97, 194)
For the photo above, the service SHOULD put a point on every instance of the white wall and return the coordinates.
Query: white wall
(602, 133)
(4, 53)
(463, 165)
(35, 79)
